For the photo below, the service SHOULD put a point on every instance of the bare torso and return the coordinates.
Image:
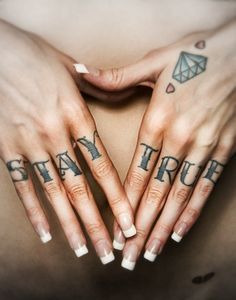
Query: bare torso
(111, 33)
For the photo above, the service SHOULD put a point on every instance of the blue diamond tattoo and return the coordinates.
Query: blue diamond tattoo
(188, 66)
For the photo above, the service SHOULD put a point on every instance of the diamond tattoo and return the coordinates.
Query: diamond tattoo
(188, 66)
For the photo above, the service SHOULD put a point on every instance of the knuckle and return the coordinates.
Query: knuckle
(102, 169)
(205, 189)
(95, 228)
(135, 180)
(155, 196)
(164, 228)
(193, 213)
(141, 234)
(114, 78)
(78, 192)
(153, 125)
(224, 149)
(53, 189)
(33, 212)
(181, 133)
(116, 201)
(181, 196)
(23, 188)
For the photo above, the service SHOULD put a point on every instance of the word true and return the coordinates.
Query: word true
(169, 165)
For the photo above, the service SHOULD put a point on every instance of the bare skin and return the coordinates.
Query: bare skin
(186, 137)
(68, 276)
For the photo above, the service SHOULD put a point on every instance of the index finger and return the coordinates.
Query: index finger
(86, 136)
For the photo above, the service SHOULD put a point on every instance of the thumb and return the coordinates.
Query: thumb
(143, 72)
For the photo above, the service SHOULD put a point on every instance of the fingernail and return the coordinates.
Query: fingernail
(154, 248)
(179, 232)
(77, 244)
(80, 251)
(119, 240)
(43, 233)
(104, 251)
(127, 225)
(85, 69)
(130, 257)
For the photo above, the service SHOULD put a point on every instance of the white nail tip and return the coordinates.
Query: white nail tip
(150, 256)
(130, 232)
(46, 237)
(81, 251)
(177, 238)
(81, 68)
(117, 245)
(127, 264)
(108, 258)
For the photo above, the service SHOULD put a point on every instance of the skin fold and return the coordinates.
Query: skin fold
(36, 271)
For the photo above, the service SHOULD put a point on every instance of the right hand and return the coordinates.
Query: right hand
(41, 112)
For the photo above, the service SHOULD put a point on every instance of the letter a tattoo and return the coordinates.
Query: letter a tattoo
(66, 163)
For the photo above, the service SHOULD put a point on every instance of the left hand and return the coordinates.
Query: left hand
(187, 135)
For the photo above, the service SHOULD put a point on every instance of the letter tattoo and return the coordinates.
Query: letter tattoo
(43, 171)
(185, 171)
(148, 150)
(91, 147)
(17, 170)
(212, 170)
(164, 168)
(66, 163)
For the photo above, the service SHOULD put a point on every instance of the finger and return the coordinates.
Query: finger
(93, 150)
(25, 189)
(89, 89)
(140, 170)
(177, 200)
(145, 71)
(82, 199)
(203, 189)
(56, 195)
(153, 200)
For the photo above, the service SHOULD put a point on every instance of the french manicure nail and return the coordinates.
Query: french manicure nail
(119, 240)
(77, 244)
(43, 233)
(104, 251)
(80, 251)
(179, 232)
(154, 248)
(130, 257)
(84, 69)
(127, 225)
